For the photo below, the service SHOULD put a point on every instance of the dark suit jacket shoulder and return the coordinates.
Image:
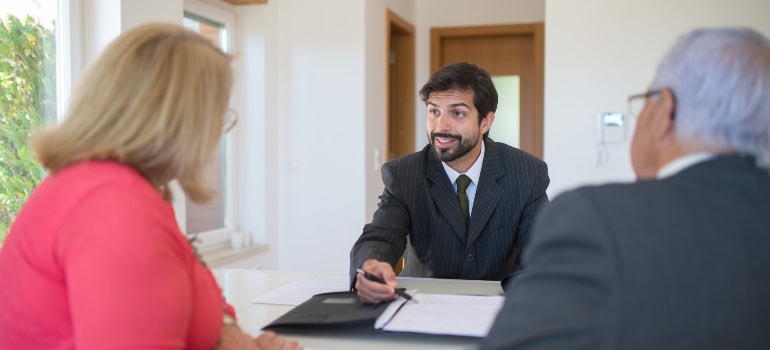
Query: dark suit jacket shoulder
(678, 263)
(418, 216)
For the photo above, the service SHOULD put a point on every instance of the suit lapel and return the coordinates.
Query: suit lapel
(444, 195)
(488, 192)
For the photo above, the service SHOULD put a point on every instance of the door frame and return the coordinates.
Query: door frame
(531, 128)
(407, 69)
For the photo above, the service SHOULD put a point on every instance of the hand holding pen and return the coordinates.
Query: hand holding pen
(382, 287)
(400, 291)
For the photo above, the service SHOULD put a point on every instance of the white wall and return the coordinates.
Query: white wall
(135, 12)
(256, 47)
(375, 123)
(376, 104)
(597, 53)
(104, 20)
(101, 24)
(403, 8)
(313, 117)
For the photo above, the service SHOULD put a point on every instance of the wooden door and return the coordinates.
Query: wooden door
(400, 91)
(503, 50)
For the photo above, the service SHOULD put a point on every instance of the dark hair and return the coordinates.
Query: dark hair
(464, 76)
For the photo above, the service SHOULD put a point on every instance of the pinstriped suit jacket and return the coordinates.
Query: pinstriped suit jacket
(419, 216)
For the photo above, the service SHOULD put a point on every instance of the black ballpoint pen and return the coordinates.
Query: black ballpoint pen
(400, 291)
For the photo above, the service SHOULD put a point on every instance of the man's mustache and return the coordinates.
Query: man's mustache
(434, 135)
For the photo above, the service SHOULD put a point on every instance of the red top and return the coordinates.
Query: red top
(95, 260)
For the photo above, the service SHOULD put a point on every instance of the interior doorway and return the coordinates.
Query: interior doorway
(399, 139)
(513, 56)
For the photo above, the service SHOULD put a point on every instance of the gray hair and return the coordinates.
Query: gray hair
(721, 81)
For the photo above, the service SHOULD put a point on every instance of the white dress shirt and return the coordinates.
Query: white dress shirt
(474, 173)
(675, 166)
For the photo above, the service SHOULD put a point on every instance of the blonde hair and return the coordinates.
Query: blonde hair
(154, 100)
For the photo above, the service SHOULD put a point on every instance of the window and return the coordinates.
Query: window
(212, 223)
(32, 91)
(209, 216)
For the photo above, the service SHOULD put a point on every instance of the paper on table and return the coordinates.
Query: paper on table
(464, 315)
(298, 292)
(391, 310)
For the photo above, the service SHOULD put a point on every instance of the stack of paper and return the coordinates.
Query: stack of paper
(464, 315)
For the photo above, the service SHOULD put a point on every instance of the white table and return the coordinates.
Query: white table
(240, 286)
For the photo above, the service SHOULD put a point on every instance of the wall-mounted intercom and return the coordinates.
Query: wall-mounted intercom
(610, 129)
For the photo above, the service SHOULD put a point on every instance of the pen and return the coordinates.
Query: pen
(400, 291)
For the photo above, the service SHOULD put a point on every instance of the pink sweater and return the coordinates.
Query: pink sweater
(95, 260)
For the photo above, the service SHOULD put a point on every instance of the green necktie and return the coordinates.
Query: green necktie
(462, 184)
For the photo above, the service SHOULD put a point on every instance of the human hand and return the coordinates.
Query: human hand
(233, 338)
(270, 341)
(375, 292)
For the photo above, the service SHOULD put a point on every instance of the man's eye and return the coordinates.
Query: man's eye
(459, 114)
(433, 111)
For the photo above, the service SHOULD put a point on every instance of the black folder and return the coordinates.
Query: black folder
(330, 311)
(339, 313)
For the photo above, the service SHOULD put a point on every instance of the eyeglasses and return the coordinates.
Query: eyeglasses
(636, 102)
(231, 118)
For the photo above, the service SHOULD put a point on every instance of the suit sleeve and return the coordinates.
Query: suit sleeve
(384, 238)
(129, 285)
(537, 200)
(564, 297)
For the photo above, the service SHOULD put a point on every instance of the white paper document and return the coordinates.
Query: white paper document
(391, 310)
(464, 315)
(298, 292)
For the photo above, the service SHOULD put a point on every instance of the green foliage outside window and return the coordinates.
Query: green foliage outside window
(27, 99)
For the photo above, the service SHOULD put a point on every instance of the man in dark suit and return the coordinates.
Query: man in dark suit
(681, 258)
(427, 214)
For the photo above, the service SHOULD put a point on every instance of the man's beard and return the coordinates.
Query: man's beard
(463, 146)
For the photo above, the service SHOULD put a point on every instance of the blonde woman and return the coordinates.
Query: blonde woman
(95, 258)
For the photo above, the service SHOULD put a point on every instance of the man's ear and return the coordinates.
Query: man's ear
(486, 123)
(665, 111)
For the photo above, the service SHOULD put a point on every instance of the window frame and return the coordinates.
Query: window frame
(69, 58)
(217, 239)
(67, 43)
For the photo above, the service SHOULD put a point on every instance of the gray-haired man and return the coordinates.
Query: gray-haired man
(681, 258)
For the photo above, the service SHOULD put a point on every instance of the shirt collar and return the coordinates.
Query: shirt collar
(675, 166)
(474, 172)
